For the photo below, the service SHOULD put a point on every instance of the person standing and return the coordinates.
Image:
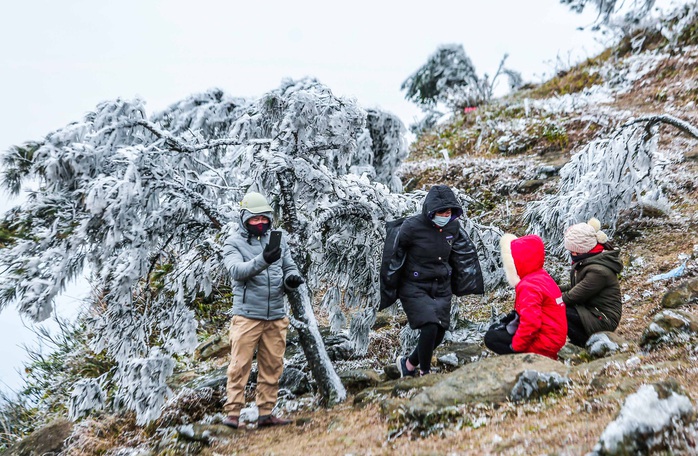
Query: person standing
(593, 296)
(538, 323)
(427, 258)
(260, 273)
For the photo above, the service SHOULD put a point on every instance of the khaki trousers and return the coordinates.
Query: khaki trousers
(270, 339)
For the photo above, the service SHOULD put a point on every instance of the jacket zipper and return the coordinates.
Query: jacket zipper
(268, 294)
(244, 292)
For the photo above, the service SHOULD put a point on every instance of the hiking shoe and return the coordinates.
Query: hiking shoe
(231, 421)
(271, 420)
(401, 363)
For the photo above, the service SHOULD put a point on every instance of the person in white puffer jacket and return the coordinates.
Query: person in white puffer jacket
(260, 274)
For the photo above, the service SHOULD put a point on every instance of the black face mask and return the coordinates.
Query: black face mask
(259, 229)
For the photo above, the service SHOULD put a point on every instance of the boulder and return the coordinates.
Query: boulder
(215, 346)
(599, 366)
(49, 439)
(684, 293)
(400, 388)
(491, 381)
(355, 380)
(295, 381)
(670, 326)
(658, 418)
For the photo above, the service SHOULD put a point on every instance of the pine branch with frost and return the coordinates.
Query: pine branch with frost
(144, 206)
(606, 177)
(87, 396)
(142, 386)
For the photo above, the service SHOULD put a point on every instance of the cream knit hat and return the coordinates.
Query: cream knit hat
(583, 237)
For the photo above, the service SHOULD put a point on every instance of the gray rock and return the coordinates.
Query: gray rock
(572, 354)
(214, 379)
(656, 419)
(607, 343)
(400, 388)
(532, 384)
(684, 293)
(295, 381)
(356, 380)
(204, 433)
(491, 381)
(458, 353)
(597, 366)
(530, 186)
(215, 346)
(670, 326)
(391, 371)
(49, 439)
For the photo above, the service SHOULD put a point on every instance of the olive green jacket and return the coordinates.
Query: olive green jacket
(595, 291)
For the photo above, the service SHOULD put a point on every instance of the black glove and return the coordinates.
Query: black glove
(271, 254)
(508, 318)
(294, 281)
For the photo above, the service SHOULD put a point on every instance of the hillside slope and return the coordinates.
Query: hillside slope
(504, 156)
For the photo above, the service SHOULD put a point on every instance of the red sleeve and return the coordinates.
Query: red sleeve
(529, 304)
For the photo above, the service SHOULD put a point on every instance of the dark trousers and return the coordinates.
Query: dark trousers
(430, 336)
(499, 340)
(575, 330)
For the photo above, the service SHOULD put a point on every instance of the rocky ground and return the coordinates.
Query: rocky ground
(629, 392)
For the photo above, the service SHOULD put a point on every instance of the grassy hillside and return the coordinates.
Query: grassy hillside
(503, 155)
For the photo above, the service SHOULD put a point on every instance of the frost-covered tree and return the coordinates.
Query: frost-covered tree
(449, 78)
(144, 204)
(606, 177)
(633, 10)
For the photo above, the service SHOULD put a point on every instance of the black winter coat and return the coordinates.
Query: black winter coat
(424, 264)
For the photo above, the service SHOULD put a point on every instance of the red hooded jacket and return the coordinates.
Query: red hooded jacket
(543, 321)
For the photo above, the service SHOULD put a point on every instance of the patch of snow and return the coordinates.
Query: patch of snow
(600, 345)
(450, 359)
(633, 362)
(644, 413)
(249, 414)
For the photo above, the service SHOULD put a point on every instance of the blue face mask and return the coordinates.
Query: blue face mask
(441, 221)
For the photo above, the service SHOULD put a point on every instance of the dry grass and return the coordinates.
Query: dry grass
(565, 424)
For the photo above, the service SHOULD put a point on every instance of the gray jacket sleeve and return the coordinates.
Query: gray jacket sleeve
(240, 269)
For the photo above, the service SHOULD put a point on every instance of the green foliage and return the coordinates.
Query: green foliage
(18, 419)
(212, 312)
(61, 360)
(556, 136)
(689, 35)
(572, 81)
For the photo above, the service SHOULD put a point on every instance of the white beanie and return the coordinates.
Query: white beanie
(583, 237)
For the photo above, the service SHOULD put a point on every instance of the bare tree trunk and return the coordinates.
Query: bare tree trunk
(330, 387)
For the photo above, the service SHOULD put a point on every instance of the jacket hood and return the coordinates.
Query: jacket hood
(441, 197)
(608, 258)
(521, 256)
(245, 215)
